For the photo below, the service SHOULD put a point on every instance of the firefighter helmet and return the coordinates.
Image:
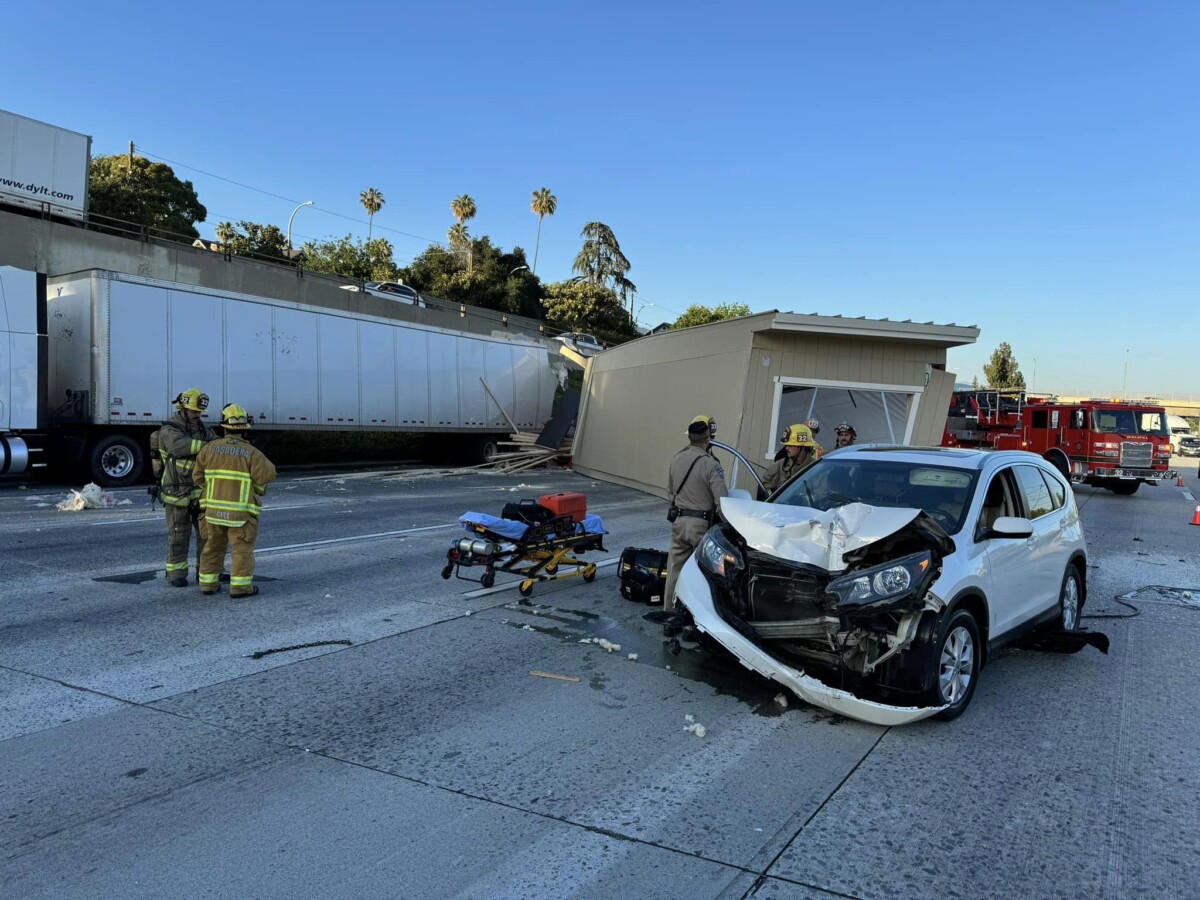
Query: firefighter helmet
(192, 399)
(846, 426)
(700, 424)
(814, 426)
(233, 416)
(797, 436)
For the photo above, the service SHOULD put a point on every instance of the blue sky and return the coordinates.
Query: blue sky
(1028, 167)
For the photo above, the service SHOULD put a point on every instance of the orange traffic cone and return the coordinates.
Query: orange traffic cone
(1179, 481)
(1196, 515)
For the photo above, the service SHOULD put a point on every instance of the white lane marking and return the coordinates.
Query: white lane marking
(483, 592)
(1187, 495)
(157, 518)
(357, 537)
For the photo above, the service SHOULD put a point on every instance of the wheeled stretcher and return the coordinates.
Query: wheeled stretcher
(546, 551)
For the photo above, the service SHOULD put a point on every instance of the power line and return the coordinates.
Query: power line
(293, 200)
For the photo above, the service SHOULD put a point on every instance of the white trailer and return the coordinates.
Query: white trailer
(120, 347)
(43, 167)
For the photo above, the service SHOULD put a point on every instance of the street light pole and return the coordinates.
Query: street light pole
(292, 216)
(516, 270)
(1125, 379)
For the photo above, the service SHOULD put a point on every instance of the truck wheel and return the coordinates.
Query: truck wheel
(1125, 488)
(1060, 462)
(116, 461)
(486, 449)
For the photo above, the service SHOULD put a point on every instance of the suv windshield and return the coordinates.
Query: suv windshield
(1128, 421)
(942, 492)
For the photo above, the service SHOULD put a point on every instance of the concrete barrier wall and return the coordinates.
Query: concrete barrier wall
(54, 248)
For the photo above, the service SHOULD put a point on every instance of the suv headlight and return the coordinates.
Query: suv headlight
(717, 555)
(882, 584)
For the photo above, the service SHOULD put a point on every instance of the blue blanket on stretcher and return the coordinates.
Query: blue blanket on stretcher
(514, 531)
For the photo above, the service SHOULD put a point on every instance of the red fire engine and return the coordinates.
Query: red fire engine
(1100, 442)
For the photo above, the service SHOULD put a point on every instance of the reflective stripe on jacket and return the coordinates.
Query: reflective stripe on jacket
(232, 475)
(179, 442)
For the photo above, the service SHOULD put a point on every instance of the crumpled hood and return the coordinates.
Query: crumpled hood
(812, 536)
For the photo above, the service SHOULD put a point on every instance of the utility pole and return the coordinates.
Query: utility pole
(131, 157)
(1125, 378)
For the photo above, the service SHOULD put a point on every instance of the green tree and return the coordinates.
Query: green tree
(543, 204)
(975, 383)
(372, 201)
(150, 194)
(370, 261)
(499, 280)
(582, 306)
(697, 314)
(1002, 371)
(601, 262)
(252, 239)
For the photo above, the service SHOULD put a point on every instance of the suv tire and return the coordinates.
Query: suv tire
(956, 663)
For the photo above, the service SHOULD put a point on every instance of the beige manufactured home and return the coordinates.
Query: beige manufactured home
(757, 375)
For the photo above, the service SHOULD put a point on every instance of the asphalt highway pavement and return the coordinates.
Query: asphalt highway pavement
(146, 752)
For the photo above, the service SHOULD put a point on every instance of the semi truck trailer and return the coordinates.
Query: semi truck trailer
(90, 362)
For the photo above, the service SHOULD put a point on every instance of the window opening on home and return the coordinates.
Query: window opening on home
(879, 416)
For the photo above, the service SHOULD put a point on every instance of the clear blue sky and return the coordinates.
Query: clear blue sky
(1029, 167)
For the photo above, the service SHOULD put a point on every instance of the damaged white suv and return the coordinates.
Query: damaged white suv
(877, 581)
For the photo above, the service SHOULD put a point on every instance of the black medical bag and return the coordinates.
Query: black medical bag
(528, 511)
(643, 574)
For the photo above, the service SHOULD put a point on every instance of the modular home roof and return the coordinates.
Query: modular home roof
(952, 335)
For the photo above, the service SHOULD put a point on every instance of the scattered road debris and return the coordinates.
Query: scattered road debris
(91, 497)
(781, 700)
(632, 657)
(605, 645)
(571, 678)
(693, 727)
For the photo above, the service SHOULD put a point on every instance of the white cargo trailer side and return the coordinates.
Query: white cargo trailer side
(23, 373)
(43, 166)
(123, 346)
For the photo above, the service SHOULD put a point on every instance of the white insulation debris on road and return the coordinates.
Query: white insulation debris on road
(695, 728)
(632, 657)
(781, 700)
(91, 497)
(605, 645)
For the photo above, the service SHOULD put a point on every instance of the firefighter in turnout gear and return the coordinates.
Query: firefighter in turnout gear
(177, 443)
(695, 483)
(232, 475)
(799, 449)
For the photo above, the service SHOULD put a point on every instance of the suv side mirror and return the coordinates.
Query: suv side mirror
(1012, 527)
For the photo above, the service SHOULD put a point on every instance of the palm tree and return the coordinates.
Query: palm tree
(544, 204)
(463, 208)
(372, 202)
(225, 234)
(458, 236)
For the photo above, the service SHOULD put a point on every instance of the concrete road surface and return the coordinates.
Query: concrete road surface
(145, 752)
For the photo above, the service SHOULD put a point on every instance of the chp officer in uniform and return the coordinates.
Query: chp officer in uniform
(177, 443)
(233, 475)
(799, 449)
(695, 483)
